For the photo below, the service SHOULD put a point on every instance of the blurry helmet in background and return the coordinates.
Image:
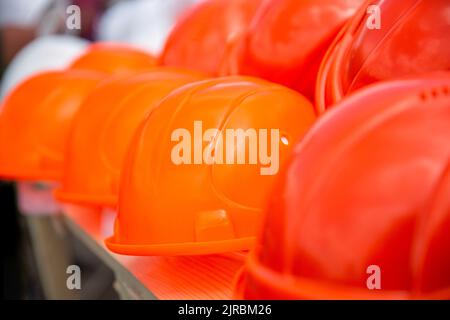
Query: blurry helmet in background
(287, 40)
(35, 121)
(206, 33)
(114, 58)
(413, 39)
(145, 24)
(104, 128)
(44, 17)
(23, 13)
(43, 54)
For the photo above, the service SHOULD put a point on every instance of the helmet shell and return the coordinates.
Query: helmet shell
(206, 33)
(361, 55)
(288, 39)
(104, 127)
(35, 121)
(114, 58)
(172, 208)
(363, 189)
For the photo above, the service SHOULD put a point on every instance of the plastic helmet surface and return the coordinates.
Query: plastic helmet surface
(376, 45)
(114, 58)
(35, 121)
(207, 33)
(359, 211)
(199, 169)
(288, 39)
(42, 54)
(103, 129)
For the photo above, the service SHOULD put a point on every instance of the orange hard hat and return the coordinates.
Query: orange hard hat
(114, 58)
(185, 192)
(103, 129)
(35, 120)
(375, 45)
(288, 39)
(206, 33)
(358, 204)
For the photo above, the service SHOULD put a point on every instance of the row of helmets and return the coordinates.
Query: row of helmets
(363, 120)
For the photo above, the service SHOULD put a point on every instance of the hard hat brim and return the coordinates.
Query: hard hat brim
(285, 287)
(12, 174)
(181, 249)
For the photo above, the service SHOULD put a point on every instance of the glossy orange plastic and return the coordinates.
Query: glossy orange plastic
(364, 191)
(361, 55)
(35, 120)
(103, 129)
(206, 33)
(114, 58)
(288, 39)
(199, 206)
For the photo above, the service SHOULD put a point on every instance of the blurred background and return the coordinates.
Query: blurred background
(283, 41)
(30, 26)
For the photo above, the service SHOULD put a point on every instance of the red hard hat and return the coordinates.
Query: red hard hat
(413, 38)
(437, 230)
(365, 189)
(288, 39)
(204, 35)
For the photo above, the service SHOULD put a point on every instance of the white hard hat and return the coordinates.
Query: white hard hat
(43, 53)
(44, 16)
(144, 23)
(22, 12)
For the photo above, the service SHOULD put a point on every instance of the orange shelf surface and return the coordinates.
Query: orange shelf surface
(167, 278)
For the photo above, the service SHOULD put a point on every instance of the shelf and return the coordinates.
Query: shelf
(190, 277)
